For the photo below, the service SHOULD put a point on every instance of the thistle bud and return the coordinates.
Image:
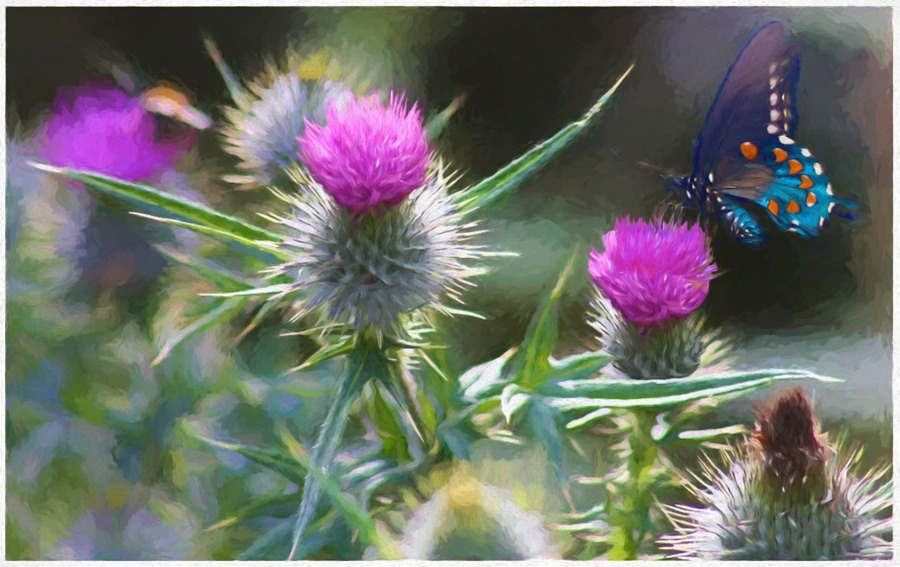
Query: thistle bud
(263, 129)
(785, 495)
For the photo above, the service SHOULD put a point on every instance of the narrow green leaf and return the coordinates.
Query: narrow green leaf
(224, 236)
(224, 311)
(508, 177)
(724, 387)
(626, 389)
(531, 364)
(707, 434)
(589, 418)
(332, 350)
(285, 465)
(268, 290)
(579, 366)
(436, 124)
(153, 198)
(217, 276)
(278, 505)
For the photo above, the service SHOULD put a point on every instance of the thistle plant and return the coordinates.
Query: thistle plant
(373, 236)
(651, 279)
(369, 248)
(785, 494)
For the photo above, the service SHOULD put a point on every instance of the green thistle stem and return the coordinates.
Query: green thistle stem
(365, 362)
(631, 516)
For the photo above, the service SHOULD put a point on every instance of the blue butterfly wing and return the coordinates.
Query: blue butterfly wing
(745, 153)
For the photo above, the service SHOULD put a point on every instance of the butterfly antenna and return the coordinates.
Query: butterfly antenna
(663, 172)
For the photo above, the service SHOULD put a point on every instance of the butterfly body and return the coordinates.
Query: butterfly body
(746, 165)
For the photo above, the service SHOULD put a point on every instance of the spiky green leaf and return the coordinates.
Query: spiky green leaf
(510, 176)
(530, 366)
(153, 199)
(587, 395)
(218, 315)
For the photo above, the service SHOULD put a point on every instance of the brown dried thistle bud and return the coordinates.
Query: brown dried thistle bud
(790, 445)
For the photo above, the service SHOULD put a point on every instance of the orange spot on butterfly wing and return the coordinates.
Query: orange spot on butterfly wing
(805, 182)
(749, 150)
(810, 199)
(793, 207)
(795, 166)
(780, 155)
(773, 207)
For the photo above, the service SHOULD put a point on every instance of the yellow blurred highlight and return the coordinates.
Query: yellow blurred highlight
(117, 496)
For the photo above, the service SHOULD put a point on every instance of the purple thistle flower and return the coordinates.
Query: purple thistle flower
(652, 273)
(101, 128)
(368, 155)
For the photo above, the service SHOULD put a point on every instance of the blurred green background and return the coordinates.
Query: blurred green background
(98, 463)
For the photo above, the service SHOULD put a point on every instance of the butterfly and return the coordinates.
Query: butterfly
(746, 162)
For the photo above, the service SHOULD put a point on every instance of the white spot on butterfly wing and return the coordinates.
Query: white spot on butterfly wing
(772, 83)
(785, 140)
(829, 190)
(772, 68)
(830, 207)
(805, 152)
(817, 167)
(711, 177)
(821, 222)
(773, 129)
(773, 99)
(774, 115)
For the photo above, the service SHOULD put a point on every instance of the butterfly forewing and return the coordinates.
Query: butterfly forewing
(761, 82)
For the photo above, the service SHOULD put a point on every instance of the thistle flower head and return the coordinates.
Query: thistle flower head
(653, 272)
(650, 280)
(263, 129)
(374, 270)
(101, 128)
(368, 156)
(785, 495)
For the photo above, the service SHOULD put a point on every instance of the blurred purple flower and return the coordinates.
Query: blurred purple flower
(653, 272)
(368, 155)
(101, 128)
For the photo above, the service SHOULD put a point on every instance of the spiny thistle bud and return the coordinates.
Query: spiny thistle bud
(371, 247)
(368, 156)
(263, 129)
(785, 495)
(101, 128)
(650, 280)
